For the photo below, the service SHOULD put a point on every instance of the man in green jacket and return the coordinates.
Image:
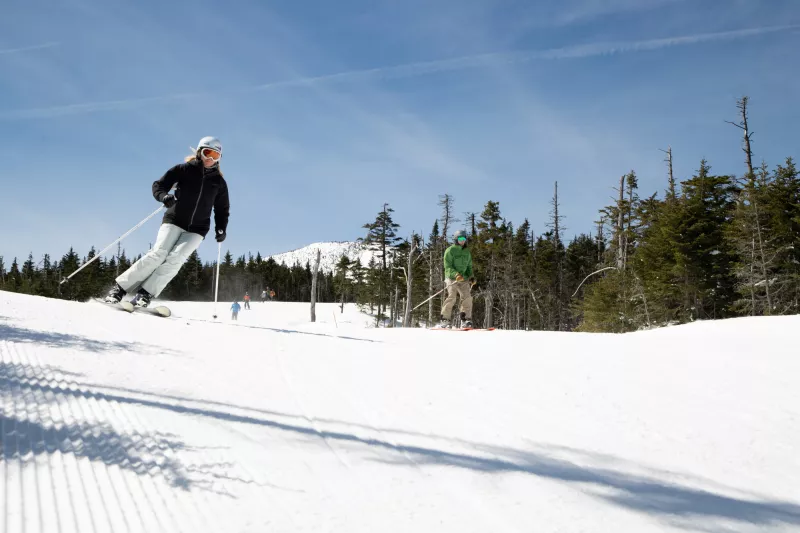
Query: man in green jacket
(458, 281)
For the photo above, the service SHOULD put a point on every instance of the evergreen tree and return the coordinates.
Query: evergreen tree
(781, 202)
(343, 283)
(69, 263)
(382, 237)
(704, 255)
(14, 280)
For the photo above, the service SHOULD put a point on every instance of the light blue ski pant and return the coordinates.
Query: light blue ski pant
(158, 266)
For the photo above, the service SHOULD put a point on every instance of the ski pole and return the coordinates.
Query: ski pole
(216, 284)
(435, 295)
(104, 250)
(429, 299)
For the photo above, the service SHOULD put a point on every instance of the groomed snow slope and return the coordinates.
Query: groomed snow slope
(117, 422)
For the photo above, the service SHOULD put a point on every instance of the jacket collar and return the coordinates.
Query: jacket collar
(212, 172)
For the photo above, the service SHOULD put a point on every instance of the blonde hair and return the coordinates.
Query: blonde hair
(194, 155)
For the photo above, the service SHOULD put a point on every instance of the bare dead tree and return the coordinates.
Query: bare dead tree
(314, 288)
(409, 281)
(343, 284)
(620, 225)
(760, 237)
(671, 191)
(589, 276)
(448, 218)
(557, 229)
(755, 244)
(431, 271)
(751, 189)
(394, 304)
(119, 254)
(599, 239)
(632, 185)
(741, 104)
(391, 299)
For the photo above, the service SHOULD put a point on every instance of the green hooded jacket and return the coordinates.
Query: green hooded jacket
(457, 260)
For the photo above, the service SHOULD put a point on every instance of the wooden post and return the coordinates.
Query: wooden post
(314, 288)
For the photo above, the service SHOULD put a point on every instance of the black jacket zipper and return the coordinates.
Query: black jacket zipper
(199, 196)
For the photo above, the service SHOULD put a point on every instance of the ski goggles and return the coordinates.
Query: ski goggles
(208, 153)
(462, 239)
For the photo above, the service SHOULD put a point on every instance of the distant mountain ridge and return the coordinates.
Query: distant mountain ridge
(331, 252)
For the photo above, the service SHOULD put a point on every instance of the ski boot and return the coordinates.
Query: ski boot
(466, 322)
(115, 295)
(443, 323)
(142, 298)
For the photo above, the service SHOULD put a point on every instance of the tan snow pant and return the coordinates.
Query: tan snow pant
(454, 289)
(157, 267)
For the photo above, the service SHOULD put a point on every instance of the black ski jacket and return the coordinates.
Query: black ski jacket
(198, 190)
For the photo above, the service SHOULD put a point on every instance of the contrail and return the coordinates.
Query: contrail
(28, 48)
(490, 59)
(422, 68)
(600, 49)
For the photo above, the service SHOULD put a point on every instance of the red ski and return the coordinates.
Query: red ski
(462, 329)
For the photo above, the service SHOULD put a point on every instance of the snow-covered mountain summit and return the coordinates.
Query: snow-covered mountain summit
(331, 253)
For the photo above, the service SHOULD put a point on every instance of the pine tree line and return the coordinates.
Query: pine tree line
(194, 282)
(713, 247)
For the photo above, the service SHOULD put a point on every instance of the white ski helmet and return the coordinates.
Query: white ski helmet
(209, 142)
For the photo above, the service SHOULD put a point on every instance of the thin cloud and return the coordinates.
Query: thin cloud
(427, 67)
(603, 49)
(586, 10)
(90, 107)
(28, 48)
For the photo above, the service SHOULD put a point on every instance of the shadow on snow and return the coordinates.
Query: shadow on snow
(663, 499)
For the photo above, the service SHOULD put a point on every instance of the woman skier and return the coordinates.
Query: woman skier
(199, 187)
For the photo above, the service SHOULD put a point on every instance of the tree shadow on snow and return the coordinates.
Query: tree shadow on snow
(38, 417)
(680, 504)
(53, 339)
(671, 501)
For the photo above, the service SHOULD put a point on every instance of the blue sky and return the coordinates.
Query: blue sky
(328, 109)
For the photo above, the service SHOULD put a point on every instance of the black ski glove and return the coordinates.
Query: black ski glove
(220, 235)
(168, 200)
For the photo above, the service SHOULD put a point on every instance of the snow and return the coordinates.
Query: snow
(331, 253)
(118, 422)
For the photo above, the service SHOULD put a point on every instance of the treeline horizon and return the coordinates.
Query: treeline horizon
(707, 247)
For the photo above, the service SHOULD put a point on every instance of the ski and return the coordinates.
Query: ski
(120, 306)
(158, 310)
(462, 329)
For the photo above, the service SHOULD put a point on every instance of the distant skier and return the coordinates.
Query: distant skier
(247, 300)
(199, 187)
(458, 281)
(271, 295)
(263, 296)
(235, 311)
